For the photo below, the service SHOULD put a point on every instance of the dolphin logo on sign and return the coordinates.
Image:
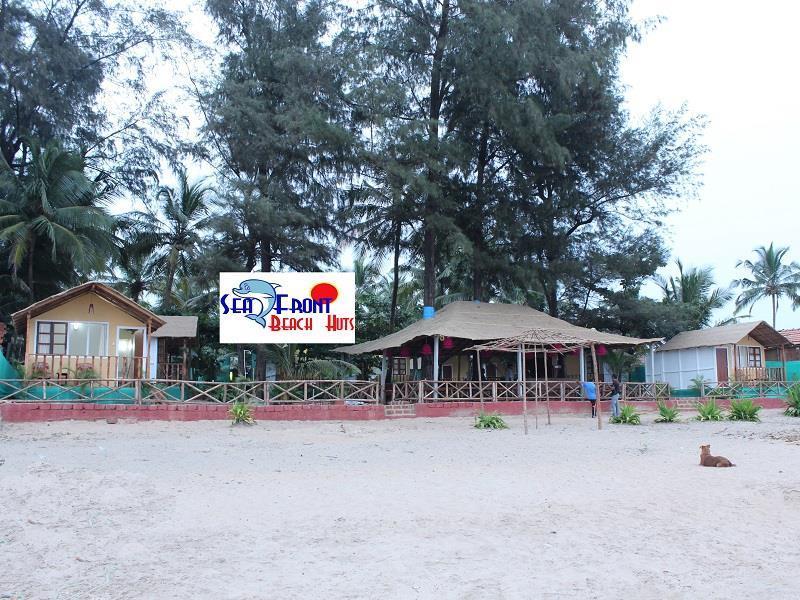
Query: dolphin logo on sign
(262, 291)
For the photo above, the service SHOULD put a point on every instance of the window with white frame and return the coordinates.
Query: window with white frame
(750, 357)
(87, 339)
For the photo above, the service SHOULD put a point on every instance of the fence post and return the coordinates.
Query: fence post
(420, 392)
(137, 390)
(183, 392)
(341, 390)
(305, 391)
(44, 390)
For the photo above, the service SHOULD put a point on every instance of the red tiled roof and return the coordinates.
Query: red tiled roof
(793, 335)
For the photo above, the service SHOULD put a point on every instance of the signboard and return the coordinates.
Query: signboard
(287, 308)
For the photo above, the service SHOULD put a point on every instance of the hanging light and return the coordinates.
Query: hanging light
(602, 351)
(426, 349)
(405, 352)
(447, 343)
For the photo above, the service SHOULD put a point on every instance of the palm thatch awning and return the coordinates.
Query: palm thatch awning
(486, 321)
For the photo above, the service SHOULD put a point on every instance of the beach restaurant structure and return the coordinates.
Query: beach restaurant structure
(431, 359)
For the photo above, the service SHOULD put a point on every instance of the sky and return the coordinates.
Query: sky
(734, 62)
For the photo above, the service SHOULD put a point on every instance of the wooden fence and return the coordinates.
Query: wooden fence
(157, 391)
(499, 391)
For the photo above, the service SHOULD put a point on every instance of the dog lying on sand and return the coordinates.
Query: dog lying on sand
(706, 460)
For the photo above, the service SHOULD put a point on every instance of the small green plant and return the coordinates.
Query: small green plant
(699, 384)
(744, 410)
(486, 421)
(627, 415)
(241, 413)
(709, 411)
(667, 414)
(793, 401)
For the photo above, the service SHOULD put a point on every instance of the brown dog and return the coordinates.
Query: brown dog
(706, 460)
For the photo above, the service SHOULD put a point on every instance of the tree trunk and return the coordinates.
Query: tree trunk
(31, 253)
(261, 349)
(436, 95)
(477, 269)
(395, 274)
(774, 311)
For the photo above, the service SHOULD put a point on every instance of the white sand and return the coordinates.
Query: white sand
(398, 509)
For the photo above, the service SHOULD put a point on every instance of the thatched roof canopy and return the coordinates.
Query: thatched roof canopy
(485, 321)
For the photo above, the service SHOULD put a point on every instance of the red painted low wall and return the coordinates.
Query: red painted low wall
(19, 412)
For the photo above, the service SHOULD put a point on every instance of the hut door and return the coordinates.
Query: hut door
(722, 365)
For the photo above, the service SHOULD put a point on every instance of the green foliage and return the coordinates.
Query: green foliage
(627, 415)
(667, 414)
(241, 413)
(744, 410)
(771, 276)
(694, 287)
(56, 210)
(793, 401)
(699, 384)
(709, 411)
(489, 421)
(622, 362)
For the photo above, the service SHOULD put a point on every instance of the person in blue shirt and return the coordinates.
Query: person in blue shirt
(590, 391)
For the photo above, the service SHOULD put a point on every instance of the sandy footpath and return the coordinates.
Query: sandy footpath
(398, 509)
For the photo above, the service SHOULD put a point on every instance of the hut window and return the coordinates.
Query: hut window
(51, 337)
(754, 357)
(87, 339)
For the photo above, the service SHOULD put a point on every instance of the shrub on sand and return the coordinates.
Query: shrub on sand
(667, 414)
(627, 416)
(793, 401)
(241, 413)
(485, 421)
(744, 410)
(709, 411)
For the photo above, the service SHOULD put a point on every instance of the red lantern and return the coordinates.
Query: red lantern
(602, 351)
(447, 343)
(426, 349)
(405, 352)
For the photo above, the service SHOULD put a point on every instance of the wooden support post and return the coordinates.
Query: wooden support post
(536, 388)
(524, 391)
(596, 386)
(384, 360)
(480, 378)
(547, 385)
(137, 390)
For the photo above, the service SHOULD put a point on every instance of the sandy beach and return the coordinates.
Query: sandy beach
(398, 509)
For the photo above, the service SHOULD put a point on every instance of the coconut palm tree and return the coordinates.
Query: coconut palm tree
(695, 287)
(771, 276)
(178, 234)
(53, 206)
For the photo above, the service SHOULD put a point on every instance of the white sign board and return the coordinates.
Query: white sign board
(287, 308)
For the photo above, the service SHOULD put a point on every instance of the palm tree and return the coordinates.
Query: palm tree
(695, 287)
(185, 211)
(770, 278)
(54, 206)
(292, 363)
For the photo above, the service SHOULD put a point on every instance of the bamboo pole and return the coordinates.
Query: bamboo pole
(536, 386)
(596, 386)
(547, 385)
(480, 378)
(524, 393)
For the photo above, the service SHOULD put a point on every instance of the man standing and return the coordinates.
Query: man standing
(590, 391)
(615, 391)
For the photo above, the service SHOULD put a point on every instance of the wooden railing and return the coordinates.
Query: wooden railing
(756, 374)
(498, 391)
(166, 391)
(64, 367)
(745, 389)
(170, 371)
